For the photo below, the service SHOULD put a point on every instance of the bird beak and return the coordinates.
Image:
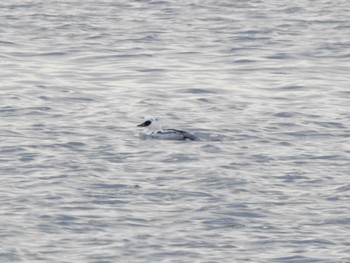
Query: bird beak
(142, 125)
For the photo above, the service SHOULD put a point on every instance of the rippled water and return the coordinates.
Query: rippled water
(265, 84)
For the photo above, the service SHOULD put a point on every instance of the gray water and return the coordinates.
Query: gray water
(265, 84)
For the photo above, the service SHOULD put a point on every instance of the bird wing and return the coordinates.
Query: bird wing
(185, 135)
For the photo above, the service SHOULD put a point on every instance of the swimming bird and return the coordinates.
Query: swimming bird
(154, 130)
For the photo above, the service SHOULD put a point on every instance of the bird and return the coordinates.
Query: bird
(154, 130)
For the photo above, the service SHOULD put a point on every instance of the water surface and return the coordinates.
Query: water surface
(264, 83)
